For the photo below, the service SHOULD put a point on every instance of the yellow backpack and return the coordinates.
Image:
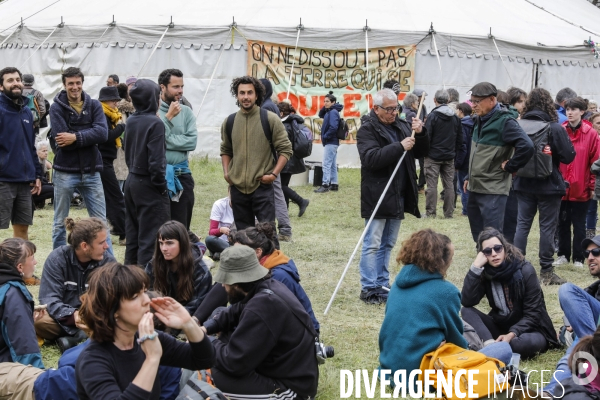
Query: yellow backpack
(450, 357)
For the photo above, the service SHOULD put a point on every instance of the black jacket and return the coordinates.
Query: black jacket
(108, 149)
(268, 338)
(202, 281)
(64, 281)
(562, 152)
(267, 103)
(461, 162)
(445, 133)
(529, 309)
(594, 289)
(379, 154)
(145, 146)
(572, 391)
(294, 165)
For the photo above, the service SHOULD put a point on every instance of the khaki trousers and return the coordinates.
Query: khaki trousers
(433, 171)
(16, 381)
(47, 328)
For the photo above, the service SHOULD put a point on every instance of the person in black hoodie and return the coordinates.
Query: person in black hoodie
(146, 199)
(518, 316)
(461, 162)
(113, 197)
(295, 165)
(543, 194)
(445, 136)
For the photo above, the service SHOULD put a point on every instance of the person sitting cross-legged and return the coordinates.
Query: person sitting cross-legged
(266, 348)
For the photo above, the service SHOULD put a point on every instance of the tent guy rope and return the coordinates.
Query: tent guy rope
(299, 28)
(154, 49)
(437, 54)
(501, 59)
(41, 44)
(362, 236)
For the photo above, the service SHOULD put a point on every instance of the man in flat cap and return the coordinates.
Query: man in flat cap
(496, 135)
(271, 352)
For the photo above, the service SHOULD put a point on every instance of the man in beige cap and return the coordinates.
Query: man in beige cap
(271, 352)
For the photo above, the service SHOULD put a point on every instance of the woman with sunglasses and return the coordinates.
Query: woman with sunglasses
(518, 315)
(331, 119)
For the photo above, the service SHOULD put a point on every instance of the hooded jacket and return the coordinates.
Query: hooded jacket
(528, 312)
(379, 153)
(145, 146)
(562, 152)
(18, 342)
(202, 281)
(445, 133)
(283, 269)
(578, 173)
(181, 134)
(266, 336)
(63, 282)
(268, 103)
(432, 306)
(89, 127)
(331, 120)
(18, 157)
(461, 162)
(294, 165)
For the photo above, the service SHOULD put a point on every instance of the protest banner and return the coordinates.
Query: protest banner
(316, 72)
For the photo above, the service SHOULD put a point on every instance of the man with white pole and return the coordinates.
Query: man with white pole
(381, 140)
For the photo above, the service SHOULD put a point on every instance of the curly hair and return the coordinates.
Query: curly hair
(512, 253)
(249, 80)
(285, 108)
(541, 100)
(428, 250)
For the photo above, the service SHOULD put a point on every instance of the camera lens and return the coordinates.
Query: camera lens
(329, 351)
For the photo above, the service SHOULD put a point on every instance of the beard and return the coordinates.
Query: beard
(235, 295)
(169, 98)
(10, 94)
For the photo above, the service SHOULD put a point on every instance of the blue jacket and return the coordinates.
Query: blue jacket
(289, 276)
(422, 310)
(561, 113)
(90, 128)
(18, 342)
(331, 120)
(61, 383)
(18, 158)
(461, 162)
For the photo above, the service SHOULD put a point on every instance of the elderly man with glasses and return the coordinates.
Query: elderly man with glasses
(496, 134)
(381, 141)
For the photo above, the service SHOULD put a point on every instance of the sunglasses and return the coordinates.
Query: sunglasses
(595, 252)
(497, 249)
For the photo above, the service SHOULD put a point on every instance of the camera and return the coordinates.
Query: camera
(323, 352)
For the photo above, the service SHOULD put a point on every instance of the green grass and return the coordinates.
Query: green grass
(323, 240)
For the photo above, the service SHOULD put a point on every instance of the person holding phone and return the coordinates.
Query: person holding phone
(519, 316)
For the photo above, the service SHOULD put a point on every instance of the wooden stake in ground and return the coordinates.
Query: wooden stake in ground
(362, 236)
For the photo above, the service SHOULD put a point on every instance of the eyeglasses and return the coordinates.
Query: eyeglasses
(498, 248)
(390, 110)
(476, 102)
(595, 252)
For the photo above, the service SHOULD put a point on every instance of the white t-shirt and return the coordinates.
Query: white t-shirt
(222, 212)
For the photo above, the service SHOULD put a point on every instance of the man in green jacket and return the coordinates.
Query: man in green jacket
(181, 137)
(499, 148)
(248, 161)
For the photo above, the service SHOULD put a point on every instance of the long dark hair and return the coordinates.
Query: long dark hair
(540, 99)
(174, 230)
(511, 252)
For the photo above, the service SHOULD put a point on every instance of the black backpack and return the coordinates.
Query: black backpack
(264, 120)
(540, 165)
(342, 130)
(301, 145)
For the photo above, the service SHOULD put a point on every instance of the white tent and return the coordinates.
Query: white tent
(541, 41)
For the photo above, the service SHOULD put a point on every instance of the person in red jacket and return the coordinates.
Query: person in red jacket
(580, 180)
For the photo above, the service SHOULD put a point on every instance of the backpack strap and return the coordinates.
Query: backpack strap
(229, 127)
(310, 328)
(264, 120)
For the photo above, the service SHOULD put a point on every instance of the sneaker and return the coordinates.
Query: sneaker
(335, 187)
(561, 260)
(33, 281)
(216, 256)
(303, 205)
(284, 238)
(578, 264)
(550, 278)
(372, 296)
(322, 189)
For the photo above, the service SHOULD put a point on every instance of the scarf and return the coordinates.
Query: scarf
(507, 274)
(114, 116)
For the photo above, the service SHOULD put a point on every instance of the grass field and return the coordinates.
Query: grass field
(323, 240)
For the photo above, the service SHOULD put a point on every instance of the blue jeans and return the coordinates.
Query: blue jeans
(581, 309)
(563, 371)
(499, 350)
(464, 196)
(592, 215)
(330, 175)
(90, 187)
(376, 250)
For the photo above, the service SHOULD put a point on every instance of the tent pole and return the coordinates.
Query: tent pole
(154, 49)
(299, 28)
(502, 59)
(437, 54)
(371, 219)
(41, 44)
(366, 29)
